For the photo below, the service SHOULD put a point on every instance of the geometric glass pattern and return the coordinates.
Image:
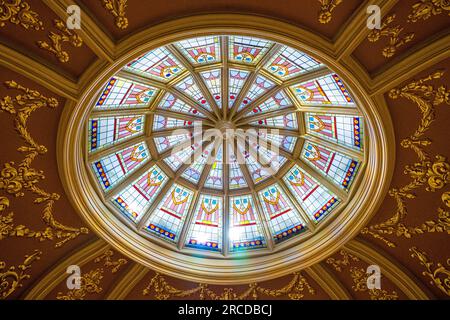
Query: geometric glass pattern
(223, 193)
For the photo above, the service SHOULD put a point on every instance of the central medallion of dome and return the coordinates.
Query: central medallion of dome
(223, 150)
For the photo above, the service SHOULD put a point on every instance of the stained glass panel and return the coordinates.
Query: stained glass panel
(325, 91)
(134, 201)
(121, 93)
(247, 50)
(206, 229)
(161, 122)
(195, 170)
(164, 143)
(115, 167)
(167, 220)
(201, 50)
(237, 180)
(278, 101)
(180, 157)
(316, 200)
(159, 64)
(288, 121)
(345, 130)
(334, 165)
(213, 81)
(236, 80)
(170, 102)
(215, 176)
(245, 230)
(283, 218)
(260, 86)
(285, 142)
(106, 131)
(290, 62)
(189, 87)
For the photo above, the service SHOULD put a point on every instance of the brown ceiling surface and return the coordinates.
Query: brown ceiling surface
(43, 125)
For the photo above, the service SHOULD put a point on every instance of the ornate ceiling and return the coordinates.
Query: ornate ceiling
(45, 68)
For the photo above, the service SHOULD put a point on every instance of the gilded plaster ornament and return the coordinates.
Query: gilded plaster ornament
(424, 9)
(326, 9)
(117, 9)
(18, 12)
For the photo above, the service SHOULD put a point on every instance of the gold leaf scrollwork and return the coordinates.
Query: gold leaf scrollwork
(393, 33)
(117, 9)
(57, 40)
(11, 278)
(424, 9)
(162, 290)
(19, 12)
(439, 274)
(359, 277)
(16, 179)
(434, 174)
(90, 283)
(326, 8)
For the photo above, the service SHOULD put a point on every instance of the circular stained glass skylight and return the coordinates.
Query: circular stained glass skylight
(220, 145)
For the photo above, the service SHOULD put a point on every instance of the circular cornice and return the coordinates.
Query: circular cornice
(364, 202)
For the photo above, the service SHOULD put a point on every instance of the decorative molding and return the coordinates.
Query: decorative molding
(117, 9)
(424, 9)
(326, 8)
(18, 12)
(11, 279)
(126, 284)
(57, 39)
(162, 290)
(393, 33)
(359, 276)
(15, 179)
(328, 282)
(434, 174)
(91, 281)
(439, 274)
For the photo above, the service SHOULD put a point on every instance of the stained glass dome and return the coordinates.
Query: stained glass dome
(225, 145)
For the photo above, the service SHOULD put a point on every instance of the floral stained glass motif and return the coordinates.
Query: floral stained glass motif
(278, 101)
(213, 81)
(334, 165)
(260, 86)
(206, 228)
(325, 91)
(105, 131)
(315, 200)
(134, 201)
(202, 50)
(283, 218)
(214, 179)
(345, 130)
(170, 102)
(113, 168)
(159, 64)
(236, 80)
(290, 62)
(288, 121)
(121, 93)
(247, 50)
(168, 218)
(245, 230)
(164, 143)
(189, 87)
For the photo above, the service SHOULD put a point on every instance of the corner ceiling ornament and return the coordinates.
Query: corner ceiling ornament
(431, 173)
(19, 12)
(162, 290)
(117, 9)
(393, 34)
(12, 278)
(439, 274)
(327, 7)
(359, 277)
(424, 9)
(57, 40)
(91, 281)
(16, 179)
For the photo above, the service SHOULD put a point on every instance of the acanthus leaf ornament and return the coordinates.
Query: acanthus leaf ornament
(19, 12)
(439, 274)
(57, 40)
(162, 290)
(12, 278)
(393, 33)
(433, 174)
(424, 9)
(117, 9)
(91, 281)
(326, 8)
(16, 179)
